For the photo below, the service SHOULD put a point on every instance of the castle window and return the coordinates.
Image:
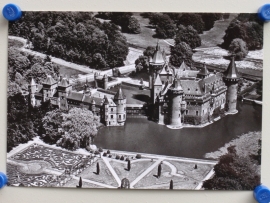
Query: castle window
(119, 116)
(186, 112)
(203, 112)
(197, 113)
(124, 116)
(111, 109)
(111, 116)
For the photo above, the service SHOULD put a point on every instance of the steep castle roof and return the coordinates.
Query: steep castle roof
(49, 80)
(158, 81)
(75, 96)
(204, 71)
(64, 83)
(183, 66)
(119, 95)
(231, 72)
(157, 58)
(32, 83)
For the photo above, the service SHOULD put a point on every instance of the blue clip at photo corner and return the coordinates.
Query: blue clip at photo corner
(262, 194)
(264, 12)
(3, 179)
(12, 12)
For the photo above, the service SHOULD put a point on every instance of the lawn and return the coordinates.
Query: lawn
(145, 38)
(104, 176)
(73, 183)
(137, 168)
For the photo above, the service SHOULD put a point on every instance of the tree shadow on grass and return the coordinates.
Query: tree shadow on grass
(156, 176)
(96, 173)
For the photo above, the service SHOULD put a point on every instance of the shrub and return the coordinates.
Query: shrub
(100, 149)
(110, 156)
(108, 152)
(122, 158)
(117, 157)
(239, 48)
(138, 156)
(104, 154)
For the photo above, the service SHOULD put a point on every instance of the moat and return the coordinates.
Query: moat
(142, 135)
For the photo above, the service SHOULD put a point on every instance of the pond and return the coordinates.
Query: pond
(144, 136)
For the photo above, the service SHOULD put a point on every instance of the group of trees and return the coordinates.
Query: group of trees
(73, 36)
(71, 130)
(234, 172)
(167, 24)
(125, 20)
(244, 33)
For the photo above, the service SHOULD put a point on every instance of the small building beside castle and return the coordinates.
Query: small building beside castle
(112, 111)
(180, 95)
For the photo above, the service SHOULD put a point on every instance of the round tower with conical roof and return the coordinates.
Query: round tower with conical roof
(32, 90)
(175, 97)
(105, 81)
(231, 78)
(120, 101)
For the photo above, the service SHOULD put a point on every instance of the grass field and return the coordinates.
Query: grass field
(145, 38)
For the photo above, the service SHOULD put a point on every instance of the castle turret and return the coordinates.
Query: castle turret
(157, 87)
(175, 94)
(157, 61)
(231, 78)
(203, 73)
(93, 106)
(32, 90)
(105, 81)
(120, 101)
(63, 90)
(49, 87)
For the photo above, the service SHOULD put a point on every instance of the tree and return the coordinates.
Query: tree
(98, 61)
(171, 185)
(98, 169)
(51, 126)
(246, 27)
(154, 19)
(188, 35)
(239, 48)
(134, 26)
(179, 53)
(80, 183)
(234, 172)
(80, 128)
(20, 128)
(149, 51)
(193, 19)
(159, 170)
(210, 18)
(165, 27)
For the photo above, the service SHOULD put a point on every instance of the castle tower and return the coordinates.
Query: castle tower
(175, 94)
(156, 89)
(231, 78)
(63, 90)
(203, 73)
(95, 79)
(49, 88)
(157, 61)
(32, 90)
(93, 106)
(86, 88)
(120, 101)
(105, 81)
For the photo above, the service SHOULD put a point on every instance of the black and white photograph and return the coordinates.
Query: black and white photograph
(135, 100)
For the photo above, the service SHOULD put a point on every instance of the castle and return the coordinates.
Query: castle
(112, 111)
(181, 95)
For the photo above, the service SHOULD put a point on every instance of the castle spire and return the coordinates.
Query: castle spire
(158, 81)
(204, 71)
(231, 72)
(32, 83)
(119, 95)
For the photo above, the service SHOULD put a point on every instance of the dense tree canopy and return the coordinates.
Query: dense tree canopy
(20, 128)
(188, 35)
(246, 27)
(72, 36)
(179, 53)
(193, 19)
(165, 27)
(234, 173)
(239, 48)
(210, 18)
(79, 127)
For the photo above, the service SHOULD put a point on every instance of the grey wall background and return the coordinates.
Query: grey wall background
(52, 195)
